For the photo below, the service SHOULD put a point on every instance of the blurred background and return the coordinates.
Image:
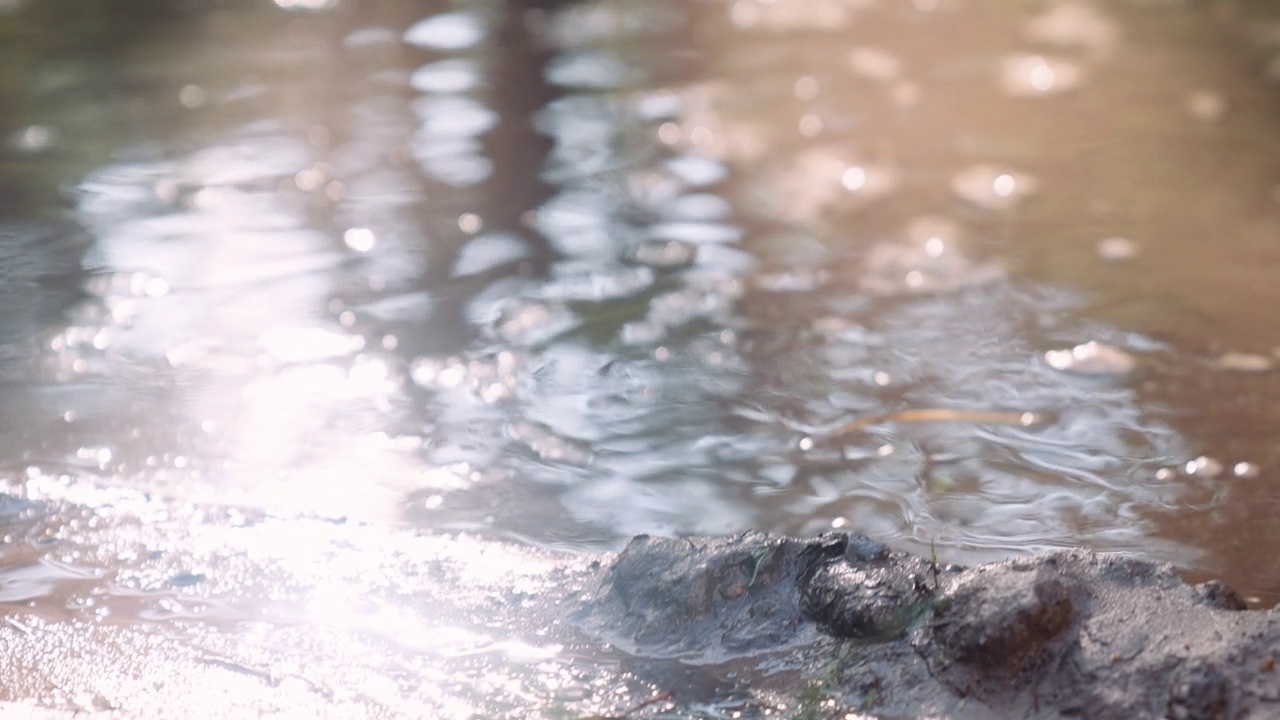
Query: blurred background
(990, 276)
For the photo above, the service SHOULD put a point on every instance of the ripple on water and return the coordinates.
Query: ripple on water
(589, 283)
(578, 223)
(1023, 75)
(1074, 24)
(452, 116)
(677, 307)
(488, 251)
(807, 187)
(697, 233)
(664, 254)
(549, 445)
(451, 75)
(1092, 358)
(993, 187)
(929, 258)
(705, 207)
(457, 162)
(977, 480)
(598, 23)
(447, 31)
(297, 345)
(597, 69)
(875, 64)
(791, 16)
(532, 322)
(793, 280)
(676, 505)
(697, 170)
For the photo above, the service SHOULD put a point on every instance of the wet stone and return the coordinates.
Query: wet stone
(1199, 692)
(1005, 620)
(1217, 594)
(701, 600)
(853, 587)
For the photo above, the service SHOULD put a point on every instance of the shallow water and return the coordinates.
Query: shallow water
(314, 277)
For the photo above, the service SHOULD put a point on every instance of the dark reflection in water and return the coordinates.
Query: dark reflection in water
(568, 272)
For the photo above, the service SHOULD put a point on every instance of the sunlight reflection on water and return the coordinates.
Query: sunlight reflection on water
(574, 290)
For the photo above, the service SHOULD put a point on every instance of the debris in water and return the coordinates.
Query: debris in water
(1244, 362)
(1092, 358)
(919, 415)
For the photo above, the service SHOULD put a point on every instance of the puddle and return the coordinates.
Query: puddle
(339, 280)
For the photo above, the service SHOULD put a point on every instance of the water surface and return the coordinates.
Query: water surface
(289, 287)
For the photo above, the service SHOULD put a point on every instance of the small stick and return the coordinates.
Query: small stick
(918, 415)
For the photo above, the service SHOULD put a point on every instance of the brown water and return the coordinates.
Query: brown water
(286, 285)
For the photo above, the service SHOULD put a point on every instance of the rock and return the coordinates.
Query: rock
(853, 587)
(1064, 634)
(702, 600)
(1004, 623)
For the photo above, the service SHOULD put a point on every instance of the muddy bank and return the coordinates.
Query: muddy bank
(838, 626)
(1067, 634)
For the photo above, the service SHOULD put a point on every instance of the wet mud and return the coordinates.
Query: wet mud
(837, 626)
